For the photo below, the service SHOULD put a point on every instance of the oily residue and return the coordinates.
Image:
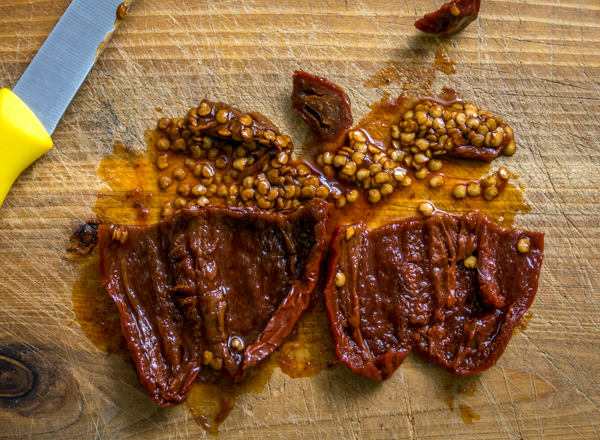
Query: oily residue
(414, 72)
(443, 62)
(455, 389)
(467, 414)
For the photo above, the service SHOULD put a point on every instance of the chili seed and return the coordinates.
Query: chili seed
(183, 189)
(374, 195)
(524, 245)
(470, 262)
(436, 181)
(426, 208)
(179, 174)
(473, 189)
(352, 195)
(179, 202)
(164, 182)
(167, 210)
(340, 279)
(460, 191)
(162, 162)
(490, 192)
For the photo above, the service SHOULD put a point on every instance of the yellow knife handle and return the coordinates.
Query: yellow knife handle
(23, 139)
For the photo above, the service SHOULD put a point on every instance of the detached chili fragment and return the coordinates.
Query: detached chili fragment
(450, 18)
(323, 105)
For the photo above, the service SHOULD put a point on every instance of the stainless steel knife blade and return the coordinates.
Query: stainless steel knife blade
(66, 57)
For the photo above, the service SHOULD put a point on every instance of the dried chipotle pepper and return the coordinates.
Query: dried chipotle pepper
(449, 288)
(215, 287)
(450, 18)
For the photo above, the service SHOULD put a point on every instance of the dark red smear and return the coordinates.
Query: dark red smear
(444, 21)
(323, 105)
(407, 289)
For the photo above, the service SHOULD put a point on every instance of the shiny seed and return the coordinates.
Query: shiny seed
(398, 174)
(202, 202)
(470, 262)
(395, 132)
(524, 245)
(489, 181)
(472, 123)
(339, 161)
(164, 182)
(240, 163)
(503, 173)
(302, 170)
(247, 194)
(350, 168)
(362, 174)
(162, 162)
(490, 192)
(421, 173)
(497, 137)
(309, 191)
(420, 117)
(340, 279)
(426, 208)
(340, 203)
(386, 189)
(420, 158)
(163, 144)
(216, 364)
(207, 171)
(407, 138)
(374, 195)
(422, 144)
(359, 136)
(322, 191)
(510, 148)
(459, 191)
(454, 10)
(352, 195)
(438, 123)
(222, 116)
(477, 141)
(179, 173)
(204, 109)
(183, 189)
(166, 210)
(207, 357)
(473, 189)
(245, 120)
(381, 178)
(436, 181)
(435, 112)
(198, 190)
(179, 202)
(350, 233)
(434, 165)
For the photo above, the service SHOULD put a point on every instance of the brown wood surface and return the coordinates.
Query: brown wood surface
(536, 63)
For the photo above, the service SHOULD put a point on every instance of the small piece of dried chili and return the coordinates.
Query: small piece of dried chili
(323, 105)
(450, 18)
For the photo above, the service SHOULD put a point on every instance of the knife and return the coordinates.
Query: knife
(29, 113)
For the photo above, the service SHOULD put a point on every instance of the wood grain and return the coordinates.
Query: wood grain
(536, 63)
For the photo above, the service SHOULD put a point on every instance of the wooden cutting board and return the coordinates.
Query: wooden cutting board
(534, 63)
